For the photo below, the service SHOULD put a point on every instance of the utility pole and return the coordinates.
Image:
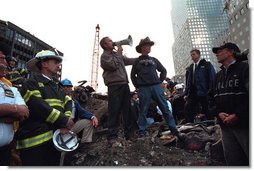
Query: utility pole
(95, 60)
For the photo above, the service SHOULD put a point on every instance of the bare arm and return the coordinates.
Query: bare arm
(17, 112)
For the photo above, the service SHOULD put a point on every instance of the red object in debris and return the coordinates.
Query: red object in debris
(193, 147)
(198, 164)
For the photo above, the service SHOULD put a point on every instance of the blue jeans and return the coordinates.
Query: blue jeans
(155, 92)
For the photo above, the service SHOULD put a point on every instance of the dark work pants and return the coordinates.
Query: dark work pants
(5, 155)
(235, 143)
(191, 107)
(43, 155)
(118, 103)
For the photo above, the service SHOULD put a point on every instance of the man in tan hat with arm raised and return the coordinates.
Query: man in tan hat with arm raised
(48, 112)
(145, 78)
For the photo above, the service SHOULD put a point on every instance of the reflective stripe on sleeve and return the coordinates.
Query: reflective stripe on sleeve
(29, 93)
(33, 141)
(53, 116)
(67, 113)
(55, 102)
(67, 98)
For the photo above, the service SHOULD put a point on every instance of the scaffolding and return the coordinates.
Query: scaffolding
(95, 60)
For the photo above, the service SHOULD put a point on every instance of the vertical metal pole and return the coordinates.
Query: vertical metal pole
(62, 158)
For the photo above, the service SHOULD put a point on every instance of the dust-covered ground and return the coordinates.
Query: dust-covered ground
(201, 146)
(197, 149)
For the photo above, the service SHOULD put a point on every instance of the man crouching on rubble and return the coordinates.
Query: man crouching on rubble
(84, 121)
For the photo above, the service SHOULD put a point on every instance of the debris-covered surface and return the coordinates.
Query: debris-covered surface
(201, 147)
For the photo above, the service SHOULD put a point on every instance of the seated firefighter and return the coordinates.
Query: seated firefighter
(84, 121)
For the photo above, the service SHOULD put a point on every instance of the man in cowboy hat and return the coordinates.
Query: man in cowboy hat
(145, 78)
(49, 110)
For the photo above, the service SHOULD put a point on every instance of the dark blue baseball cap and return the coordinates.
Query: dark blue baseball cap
(228, 45)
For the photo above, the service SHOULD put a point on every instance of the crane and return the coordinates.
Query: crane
(95, 60)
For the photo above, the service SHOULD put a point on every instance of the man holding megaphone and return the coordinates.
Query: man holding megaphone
(115, 78)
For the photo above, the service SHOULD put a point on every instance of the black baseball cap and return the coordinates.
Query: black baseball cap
(228, 45)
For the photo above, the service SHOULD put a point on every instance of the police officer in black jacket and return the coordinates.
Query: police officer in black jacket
(231, 94)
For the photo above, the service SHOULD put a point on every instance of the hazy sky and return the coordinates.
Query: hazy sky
(70, 27)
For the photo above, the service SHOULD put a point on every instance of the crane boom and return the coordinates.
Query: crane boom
(95, 60)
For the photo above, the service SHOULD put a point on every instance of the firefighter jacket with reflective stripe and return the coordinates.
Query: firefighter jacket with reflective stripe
(47, 106)
(17, 76)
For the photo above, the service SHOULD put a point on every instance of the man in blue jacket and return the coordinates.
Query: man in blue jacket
(199, 82)
(84, 121)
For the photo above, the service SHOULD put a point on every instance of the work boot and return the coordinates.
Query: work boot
(131, 136)
(142, 135)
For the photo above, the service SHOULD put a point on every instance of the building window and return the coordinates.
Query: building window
(243, 42)
(242, 11)
(231, 21)
(247, 29)
(236, 16)
(244, 20)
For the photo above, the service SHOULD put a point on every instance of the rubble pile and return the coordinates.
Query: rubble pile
(200, 148)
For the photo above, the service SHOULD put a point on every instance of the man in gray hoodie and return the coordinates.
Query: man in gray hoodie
(115, 78)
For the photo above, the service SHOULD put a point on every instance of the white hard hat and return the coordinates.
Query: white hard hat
(179, 86)
(65, 142)
(31, 64)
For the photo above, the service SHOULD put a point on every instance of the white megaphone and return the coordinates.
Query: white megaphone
(127, 41)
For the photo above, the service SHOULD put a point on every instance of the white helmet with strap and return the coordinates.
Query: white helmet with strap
(65, 142)
(44, 54)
